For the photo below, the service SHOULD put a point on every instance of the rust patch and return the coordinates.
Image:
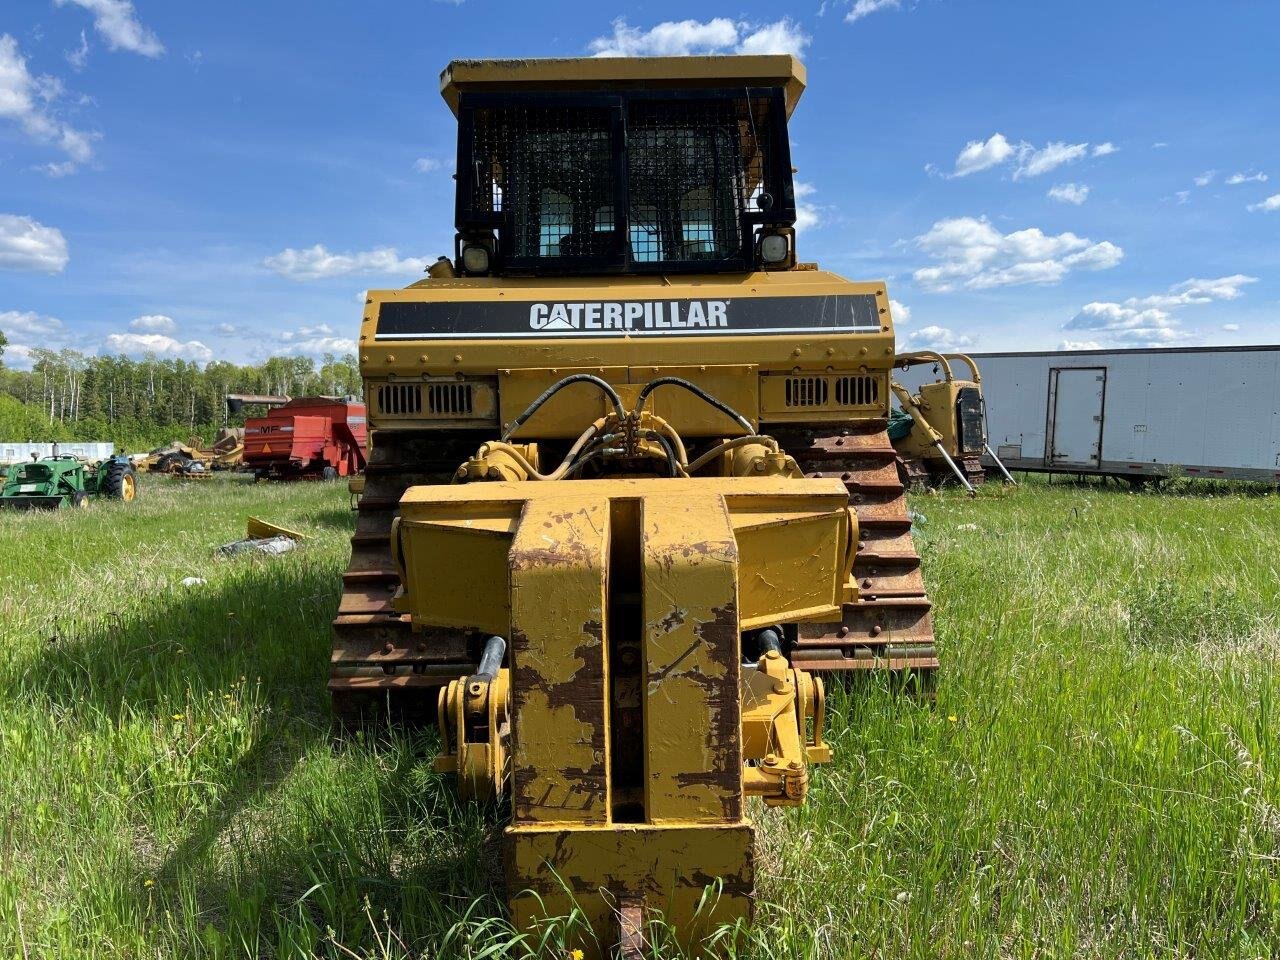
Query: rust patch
(724, 710)
(672, 620)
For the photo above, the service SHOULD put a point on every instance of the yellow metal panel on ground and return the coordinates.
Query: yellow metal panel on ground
(669, 867)
(692, 659)
(559, 750)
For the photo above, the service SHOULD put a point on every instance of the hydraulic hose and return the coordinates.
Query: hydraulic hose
(721, 449)
(698, 392)
(555, 388)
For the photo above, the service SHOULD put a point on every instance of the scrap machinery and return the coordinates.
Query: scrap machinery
(629, 484)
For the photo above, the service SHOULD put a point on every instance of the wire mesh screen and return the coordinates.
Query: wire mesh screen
(692, 168)
(551, 170)
(698, 172)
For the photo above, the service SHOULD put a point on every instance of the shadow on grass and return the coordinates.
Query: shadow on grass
(336, 518)
(290, 834)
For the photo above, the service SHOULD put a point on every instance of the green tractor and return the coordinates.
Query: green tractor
(62, 480)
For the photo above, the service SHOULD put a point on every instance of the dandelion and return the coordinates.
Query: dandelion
(148, 883)
(575, 954)
(952, 718)
(177, 716)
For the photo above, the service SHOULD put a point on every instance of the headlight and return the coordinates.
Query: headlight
(774, 248)
(475, 259)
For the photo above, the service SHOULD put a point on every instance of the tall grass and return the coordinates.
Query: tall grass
(1097, 777)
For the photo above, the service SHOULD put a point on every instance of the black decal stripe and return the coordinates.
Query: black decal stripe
(838, 313)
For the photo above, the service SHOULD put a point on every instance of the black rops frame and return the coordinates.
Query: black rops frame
(468, 221)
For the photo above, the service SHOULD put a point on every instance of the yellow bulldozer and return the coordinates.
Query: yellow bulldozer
(630, 486)
(940, 432)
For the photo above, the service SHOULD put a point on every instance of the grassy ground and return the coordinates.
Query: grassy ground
(1098, 777)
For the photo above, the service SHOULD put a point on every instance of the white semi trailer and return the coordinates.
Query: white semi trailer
(1193, 411)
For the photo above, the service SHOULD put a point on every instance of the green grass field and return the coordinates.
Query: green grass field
(1099, 775)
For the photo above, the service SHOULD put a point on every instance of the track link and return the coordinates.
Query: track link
(379, 667)
(890, 627)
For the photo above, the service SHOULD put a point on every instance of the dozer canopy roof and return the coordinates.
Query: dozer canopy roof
(623, 73)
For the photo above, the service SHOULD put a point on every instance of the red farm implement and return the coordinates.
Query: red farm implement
(307, 438)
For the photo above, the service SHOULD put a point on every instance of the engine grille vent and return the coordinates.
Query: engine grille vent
(807, 391)
(450, 399)
(400, 399)
(857, 391)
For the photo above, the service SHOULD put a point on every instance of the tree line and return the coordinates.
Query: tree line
(139, 404)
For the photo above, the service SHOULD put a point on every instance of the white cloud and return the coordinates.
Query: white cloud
(1238, 178)
(807, 214)
(1076, 193)
(942, 339)
(26, 100)
(1231, 327)
(226, 329)
(974, 254)
(117, 23)
(997, 150)
(141, 344)
(79, 57)
(1184, 196)
(18, 356)
(28, 245)
(900, 312)
(1271, 203)
(1120, 324)
(317, 263)
(314, 341)
(979, 155)
(1032, 163)
(29, 324)
(1206, 178)
(28, 331)
(1159, 145)
(1079, 345)
(153, 323)
(864, 8)
(1196, 291)
(781, 36)
(1146, 321)
(682, 38)
(427, 164)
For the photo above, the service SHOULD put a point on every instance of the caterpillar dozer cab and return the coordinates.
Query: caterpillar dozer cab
(940, 432)
(629, 485)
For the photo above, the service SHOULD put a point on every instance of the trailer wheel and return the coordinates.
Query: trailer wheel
(329, 473)
(80, 500)
(121, 482)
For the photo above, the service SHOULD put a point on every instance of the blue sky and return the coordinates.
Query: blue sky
(224, 180)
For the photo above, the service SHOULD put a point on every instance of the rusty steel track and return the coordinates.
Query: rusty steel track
(917, 474)
(379, 668)
(890, 627)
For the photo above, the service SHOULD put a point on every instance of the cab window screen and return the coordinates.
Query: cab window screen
(691, 175)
